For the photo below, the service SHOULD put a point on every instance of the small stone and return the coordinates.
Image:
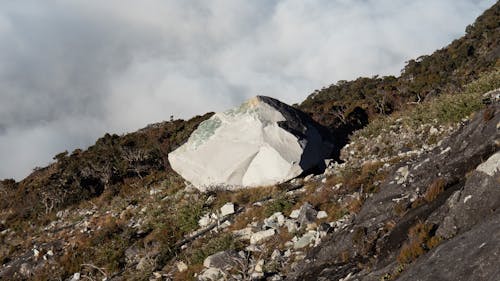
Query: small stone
(25, 270)
(36, 253)
(222, 260)
(305, 240)
(262, 236)
(257, 276)
(227, 209)
(181, 266)
(490, 166)
(276, 221)
(143, 264)
(212, 274)
(287, 253)
(433, 131)
(307, 214)
(403, 174)
(446, 150)
(295, 214)
(321, 215)
(154, 191)
(75, 277)
(275, 277)
(253, 248)
(276, 254)
(308, 177)
(259, 267)
(210, 200)
(204, 220)
(311, 226)
(225, 225)
(243, 234)
(291, 226)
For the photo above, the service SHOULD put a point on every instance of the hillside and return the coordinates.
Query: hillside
(348, 105)
(416, 185)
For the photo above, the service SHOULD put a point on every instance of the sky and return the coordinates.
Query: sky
(70, 71)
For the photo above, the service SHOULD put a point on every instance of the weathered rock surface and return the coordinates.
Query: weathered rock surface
(222, 260)
(263, 142)
(473, 255)
(464, 214)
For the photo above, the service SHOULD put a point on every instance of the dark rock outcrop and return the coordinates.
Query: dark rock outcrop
(452, 189)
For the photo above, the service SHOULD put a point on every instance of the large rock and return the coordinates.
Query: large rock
(262, 142)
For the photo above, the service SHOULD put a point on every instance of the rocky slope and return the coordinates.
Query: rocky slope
(416, 197)
(445, 200)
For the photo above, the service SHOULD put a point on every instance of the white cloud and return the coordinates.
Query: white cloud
(72, 70)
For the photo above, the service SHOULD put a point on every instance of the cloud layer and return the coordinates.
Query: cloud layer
(72, 70)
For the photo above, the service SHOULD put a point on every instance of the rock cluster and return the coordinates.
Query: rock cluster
(251, 262)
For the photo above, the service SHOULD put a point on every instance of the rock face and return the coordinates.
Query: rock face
(262, 142)
(464, 215)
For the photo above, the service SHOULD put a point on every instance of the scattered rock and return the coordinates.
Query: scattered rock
(25, 270)
(291, 226)
(243, 234)
(308, 177)
(490, 166)
(227, 209)
(433, 131)
(402, 173)
(305, 240)
(276, 255)
(144, 263)
(212, 274)
(295, 214)
(261, 236)
(205, 220)
(259, 266)
(222, 260)
(75, 277)
(321, 215)
(36, 253)
(275, 221)
(307, 214)
(181, 266)
(154, 191)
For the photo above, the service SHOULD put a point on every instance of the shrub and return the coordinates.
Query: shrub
(281, 204)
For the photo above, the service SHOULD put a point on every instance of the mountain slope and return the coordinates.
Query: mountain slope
(413, 190)
(347, 105)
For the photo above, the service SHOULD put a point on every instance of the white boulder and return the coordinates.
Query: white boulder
(262, 142)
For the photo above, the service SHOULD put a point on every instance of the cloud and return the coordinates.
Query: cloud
(72, 70)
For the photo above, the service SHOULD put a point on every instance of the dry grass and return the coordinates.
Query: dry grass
(355, 205)
(435, 188)
(420, 240)
(249, 215)
(488, 114)
(189, 274)
(245, 196)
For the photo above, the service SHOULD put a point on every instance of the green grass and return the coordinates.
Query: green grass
(444, 109)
